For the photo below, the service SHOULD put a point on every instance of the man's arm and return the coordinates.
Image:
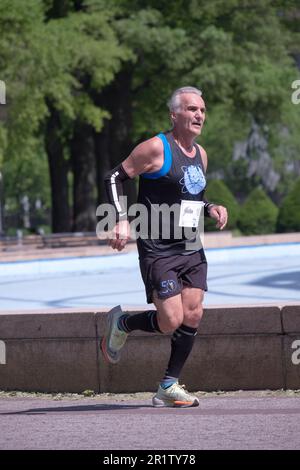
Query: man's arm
(146, 157)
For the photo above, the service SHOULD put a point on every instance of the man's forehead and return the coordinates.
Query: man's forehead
(189, 99)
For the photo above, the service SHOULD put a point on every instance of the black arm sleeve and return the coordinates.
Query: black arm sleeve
(114, 190)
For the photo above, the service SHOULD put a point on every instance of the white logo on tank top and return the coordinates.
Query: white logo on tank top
(193, 181)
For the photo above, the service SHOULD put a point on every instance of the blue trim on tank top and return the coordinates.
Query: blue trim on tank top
(167, 160)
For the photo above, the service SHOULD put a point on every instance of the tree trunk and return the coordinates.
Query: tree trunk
(58, 168)
(84, 188)
(113, 143)
(102, 158)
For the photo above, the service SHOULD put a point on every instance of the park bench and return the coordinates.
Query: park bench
(8, 243)
(54, 240)
(62, 240)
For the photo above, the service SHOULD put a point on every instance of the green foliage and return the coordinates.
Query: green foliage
(218, 193)
(27, 176)
(47, 62)
(236, 51)
(289, 212)
(63, 54)
(284, 144)
(219, 137)
(258, 214)
(3, 143)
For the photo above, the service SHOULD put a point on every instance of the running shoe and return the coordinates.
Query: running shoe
(174, 396)
(114, 339)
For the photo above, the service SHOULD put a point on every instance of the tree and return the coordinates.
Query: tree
(289, 212)
(98, 76)
(90, 57)
(135, 98)
(47, 65)
(23, 161)
(218, 193)
(258, 214)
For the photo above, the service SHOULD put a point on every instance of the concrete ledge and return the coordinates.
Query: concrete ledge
(65, 365)
(49, 351)
(236, 348)
(241, 320)
(47, 325)
(291, 318)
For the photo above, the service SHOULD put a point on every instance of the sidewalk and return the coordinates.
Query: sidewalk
(237, 420)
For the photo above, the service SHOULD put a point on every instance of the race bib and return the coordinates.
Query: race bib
(190, 213)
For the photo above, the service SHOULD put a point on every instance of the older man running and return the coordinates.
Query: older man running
(172, 169)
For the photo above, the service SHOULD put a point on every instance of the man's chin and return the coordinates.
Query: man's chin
(196, 131)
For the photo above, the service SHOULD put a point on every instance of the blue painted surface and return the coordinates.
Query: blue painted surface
(260, 274)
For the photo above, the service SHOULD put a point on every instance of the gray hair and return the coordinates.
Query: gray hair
(174, 101)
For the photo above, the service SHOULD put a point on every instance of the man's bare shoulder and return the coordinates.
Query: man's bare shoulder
(152, 147)
(145, 157)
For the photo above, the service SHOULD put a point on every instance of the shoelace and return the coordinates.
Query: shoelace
(183, 388)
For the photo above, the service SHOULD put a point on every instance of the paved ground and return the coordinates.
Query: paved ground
(237, 420)
(268, 274)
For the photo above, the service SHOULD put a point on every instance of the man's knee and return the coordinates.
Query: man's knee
(169, 323)
(193, 315)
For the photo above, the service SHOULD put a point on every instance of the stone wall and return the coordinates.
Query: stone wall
(254, 347)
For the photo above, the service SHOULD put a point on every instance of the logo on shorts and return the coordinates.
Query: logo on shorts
(168, 286)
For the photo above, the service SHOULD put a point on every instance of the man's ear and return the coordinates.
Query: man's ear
(173, 116)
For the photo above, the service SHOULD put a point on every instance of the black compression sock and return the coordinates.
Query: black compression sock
(145, 321)
(181, 345)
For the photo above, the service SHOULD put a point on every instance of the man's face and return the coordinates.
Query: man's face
(191, 115)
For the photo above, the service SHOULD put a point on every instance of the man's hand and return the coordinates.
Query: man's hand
(220, 214)
(119, 235)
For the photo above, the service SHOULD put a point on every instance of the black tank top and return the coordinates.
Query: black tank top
(180, 178)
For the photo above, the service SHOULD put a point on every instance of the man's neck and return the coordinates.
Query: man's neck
(186, 142)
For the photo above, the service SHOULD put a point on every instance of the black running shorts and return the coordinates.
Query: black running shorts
(168, 275)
